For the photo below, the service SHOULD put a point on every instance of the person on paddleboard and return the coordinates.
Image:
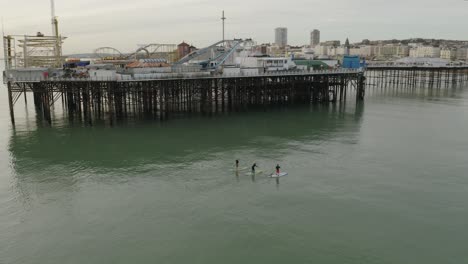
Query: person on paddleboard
(253, 167)
(237, 164)
(278, 169)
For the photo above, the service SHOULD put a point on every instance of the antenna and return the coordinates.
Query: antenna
(223, 18)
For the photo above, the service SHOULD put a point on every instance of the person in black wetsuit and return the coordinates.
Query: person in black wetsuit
(237, 164)
(278, 169)
(253, 167)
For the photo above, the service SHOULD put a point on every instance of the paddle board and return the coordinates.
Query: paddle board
(282, 174)
(256, 173)
(241, 169)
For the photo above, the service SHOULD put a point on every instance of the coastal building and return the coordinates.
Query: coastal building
(308, 53)
(462, 54)
(329, 48)
(334, 43)
(183, 49)
(314, 38)
(448, 54)
(276, 50)
(367, 51)
(403, 51)
(355, 51)
(391, 51)
(321, 50)
(281, 37)
(425, 52)
(336, 51)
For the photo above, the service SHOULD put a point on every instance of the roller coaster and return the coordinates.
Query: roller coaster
(219, 54)
(209, 58)
(145, 51)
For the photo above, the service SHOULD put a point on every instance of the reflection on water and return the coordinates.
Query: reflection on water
(141, 147)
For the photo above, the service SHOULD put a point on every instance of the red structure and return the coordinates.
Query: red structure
(184, 49)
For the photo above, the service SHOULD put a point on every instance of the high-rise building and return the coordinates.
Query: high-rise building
(314, 37)
(281, 37)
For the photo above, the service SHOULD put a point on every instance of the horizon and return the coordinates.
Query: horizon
(115, 24)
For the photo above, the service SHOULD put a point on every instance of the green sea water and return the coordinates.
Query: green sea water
(380, 182)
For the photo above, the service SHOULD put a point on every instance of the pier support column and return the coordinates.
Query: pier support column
(10, 102)
(25, 97)
(360, 87)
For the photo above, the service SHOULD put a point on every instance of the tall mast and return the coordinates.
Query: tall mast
(55, 33)
(223, 18)
(54, 19)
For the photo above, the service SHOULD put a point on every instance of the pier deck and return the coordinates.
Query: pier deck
(93, 99)
(409, 77)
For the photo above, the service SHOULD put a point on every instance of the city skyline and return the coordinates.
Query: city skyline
(89, 25)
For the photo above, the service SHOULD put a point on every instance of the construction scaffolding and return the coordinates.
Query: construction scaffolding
(33, 51)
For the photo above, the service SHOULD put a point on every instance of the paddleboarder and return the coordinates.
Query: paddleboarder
(253, 167)
(278, 169)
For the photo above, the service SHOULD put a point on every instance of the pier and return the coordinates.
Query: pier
(112, 100)
(410, 77)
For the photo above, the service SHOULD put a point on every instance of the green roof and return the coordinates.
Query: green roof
(311, 63)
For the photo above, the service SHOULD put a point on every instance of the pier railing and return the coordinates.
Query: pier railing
(415, 66)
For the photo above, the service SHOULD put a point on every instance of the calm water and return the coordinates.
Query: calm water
(382, 182)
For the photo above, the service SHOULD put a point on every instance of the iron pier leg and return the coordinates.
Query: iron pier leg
(10, 101)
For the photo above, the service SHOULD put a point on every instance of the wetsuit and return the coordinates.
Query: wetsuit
(253, 167)
(237, 163)
(278, 169)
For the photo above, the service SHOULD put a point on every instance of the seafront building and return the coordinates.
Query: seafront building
(448, 54)
(184, 49)
(314, 38)
(462, 54)
(425, 52)
(281, 37)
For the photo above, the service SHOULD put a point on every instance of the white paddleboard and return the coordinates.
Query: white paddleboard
(256, 173)
(241, 169)
(282, 174)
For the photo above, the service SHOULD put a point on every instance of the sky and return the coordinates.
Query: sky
(123, 24)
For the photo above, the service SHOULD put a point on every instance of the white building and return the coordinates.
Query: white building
(266, 63)
(281, 37)
(367, 51)
(425, 52)
(355, 51)
(314, 38)
(321, 50)
(392, 51)
(448, 54)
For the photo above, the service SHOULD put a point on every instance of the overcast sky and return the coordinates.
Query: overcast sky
(123, 24)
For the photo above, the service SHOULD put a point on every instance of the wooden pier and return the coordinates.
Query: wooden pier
(403, 77)
(94, 100)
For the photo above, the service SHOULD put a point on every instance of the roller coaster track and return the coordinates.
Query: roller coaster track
(149, 49)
